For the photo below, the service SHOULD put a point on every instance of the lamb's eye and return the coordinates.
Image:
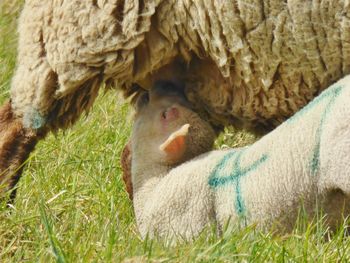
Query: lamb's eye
(142, 101)
(145, 98)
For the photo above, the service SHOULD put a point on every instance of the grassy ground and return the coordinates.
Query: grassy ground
(71, 205)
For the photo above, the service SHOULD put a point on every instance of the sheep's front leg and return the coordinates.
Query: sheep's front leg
(16, 143)
(35, 106)
(22, 122)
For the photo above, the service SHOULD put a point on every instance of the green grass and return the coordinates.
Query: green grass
(72, 207)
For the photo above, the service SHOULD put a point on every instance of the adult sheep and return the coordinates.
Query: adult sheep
(244, 62)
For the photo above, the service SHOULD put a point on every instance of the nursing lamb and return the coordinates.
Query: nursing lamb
(304, 161)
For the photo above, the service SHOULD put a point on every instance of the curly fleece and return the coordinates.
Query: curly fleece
(249, 61)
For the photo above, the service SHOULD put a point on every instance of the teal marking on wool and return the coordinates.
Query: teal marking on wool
(219, 178)
(33, 119)
(315, 162)
(331, 94)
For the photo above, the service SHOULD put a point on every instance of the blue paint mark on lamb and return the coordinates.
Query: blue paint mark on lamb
(219, 177)
(330, 94)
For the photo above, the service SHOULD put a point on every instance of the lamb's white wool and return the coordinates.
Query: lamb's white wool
(304, 161)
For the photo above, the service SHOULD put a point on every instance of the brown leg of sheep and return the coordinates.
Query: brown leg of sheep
(16, 144)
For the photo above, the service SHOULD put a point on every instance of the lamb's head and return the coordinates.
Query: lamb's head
(166, 130)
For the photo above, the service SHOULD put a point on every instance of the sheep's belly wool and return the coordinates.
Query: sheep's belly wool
(304, 162)
(253, 61)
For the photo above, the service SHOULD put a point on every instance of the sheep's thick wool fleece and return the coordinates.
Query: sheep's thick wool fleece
(257, 61)
(305, 161)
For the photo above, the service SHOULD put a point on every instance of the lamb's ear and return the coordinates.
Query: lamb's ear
(174, 147)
